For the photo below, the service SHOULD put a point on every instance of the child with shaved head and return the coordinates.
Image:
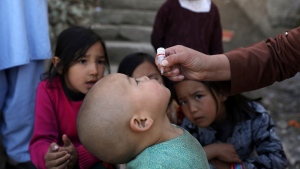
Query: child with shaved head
(124, 120)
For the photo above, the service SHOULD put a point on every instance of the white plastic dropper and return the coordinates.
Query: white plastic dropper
(160, 56)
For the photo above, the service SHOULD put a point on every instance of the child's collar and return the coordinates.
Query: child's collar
(196, 5)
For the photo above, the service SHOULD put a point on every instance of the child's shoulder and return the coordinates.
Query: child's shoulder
(55, 82)
(50, 85)
(260, 113)
(183, 151)
(257, 107)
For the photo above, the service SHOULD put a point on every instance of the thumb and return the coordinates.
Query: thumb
(66, 140)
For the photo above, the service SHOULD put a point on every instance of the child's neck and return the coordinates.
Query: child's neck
(170, 132)
(74, 96)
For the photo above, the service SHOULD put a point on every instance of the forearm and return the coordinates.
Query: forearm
(210, 153)
(264, 63)
(218, 68)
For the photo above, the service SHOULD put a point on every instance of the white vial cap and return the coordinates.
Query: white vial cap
(161, 50)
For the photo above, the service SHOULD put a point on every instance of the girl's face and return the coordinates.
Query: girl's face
(87, 70)
(198, 103)
(147, 69)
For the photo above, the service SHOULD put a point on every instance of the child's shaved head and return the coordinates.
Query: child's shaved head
(101, 119)
(116, 119)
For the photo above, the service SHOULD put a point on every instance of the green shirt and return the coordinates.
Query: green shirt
(182, 152)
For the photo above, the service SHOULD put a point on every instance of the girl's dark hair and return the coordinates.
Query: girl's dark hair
(73, 43)
(238, 106)
(132, 61)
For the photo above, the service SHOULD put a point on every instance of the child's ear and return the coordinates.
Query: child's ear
(140, 123)
(55, 61)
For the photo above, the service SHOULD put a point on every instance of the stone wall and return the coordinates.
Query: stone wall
(63, 14)
(272, 16)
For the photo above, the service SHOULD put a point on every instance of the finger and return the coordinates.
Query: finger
(66, 140)
(171, 71)
(173, 50)
(58, 161)
(174, 59)
(237, 160)
(174, 75)
(176, 78)
(53, 147)
(62, 166)
(54, 155)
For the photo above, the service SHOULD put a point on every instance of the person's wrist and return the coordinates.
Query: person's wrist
(211, 150)
(218, 68)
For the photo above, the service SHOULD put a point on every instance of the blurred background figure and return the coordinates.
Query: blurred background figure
(24, 46)
(194, 24)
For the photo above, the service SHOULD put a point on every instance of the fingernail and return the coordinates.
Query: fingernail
(164, 63)
(55, 147)
(180, 77)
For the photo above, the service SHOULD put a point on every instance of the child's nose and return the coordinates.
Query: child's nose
(93, 68)
(193, 107)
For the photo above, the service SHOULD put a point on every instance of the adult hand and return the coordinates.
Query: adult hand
(70, 148)
(185, 63)
(55, 159)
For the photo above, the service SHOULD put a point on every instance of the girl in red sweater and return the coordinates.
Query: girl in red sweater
(80, 61)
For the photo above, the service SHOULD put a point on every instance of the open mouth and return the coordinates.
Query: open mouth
(90, 84)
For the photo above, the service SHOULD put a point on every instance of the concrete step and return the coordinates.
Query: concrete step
(124, 17)
(132, 4)
(124, 32)
(117, 50)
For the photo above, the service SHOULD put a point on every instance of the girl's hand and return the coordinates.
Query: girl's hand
(227, 153)
(222, 151)
(69, 147)
(56, 159)
(218, 164)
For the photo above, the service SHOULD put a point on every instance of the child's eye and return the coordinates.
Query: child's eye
(82, 61)
(198, 96)
(182, 103)
(102, 62)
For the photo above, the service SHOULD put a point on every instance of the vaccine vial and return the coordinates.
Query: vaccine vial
(160, 56)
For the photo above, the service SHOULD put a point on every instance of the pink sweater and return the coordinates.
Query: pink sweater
(55, 115)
